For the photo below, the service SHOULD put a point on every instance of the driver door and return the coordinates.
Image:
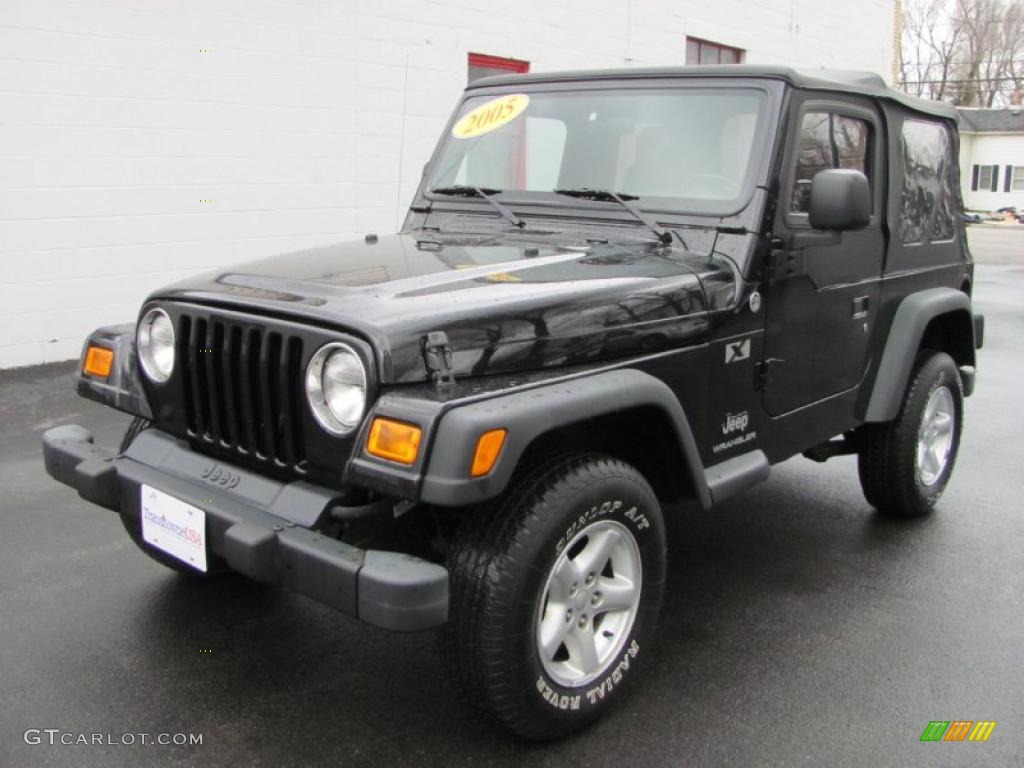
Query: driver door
(821, 313)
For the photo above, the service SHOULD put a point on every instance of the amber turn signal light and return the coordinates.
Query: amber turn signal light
(488, 449)
(394, 440)
(98, 361)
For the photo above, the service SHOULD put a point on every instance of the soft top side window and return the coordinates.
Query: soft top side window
(926, 205)
(828, 140)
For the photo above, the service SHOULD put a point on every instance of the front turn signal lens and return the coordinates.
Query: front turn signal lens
(488, 449)
(394, 440)
(99, 361)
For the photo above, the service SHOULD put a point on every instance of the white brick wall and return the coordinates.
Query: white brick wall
(300, 121)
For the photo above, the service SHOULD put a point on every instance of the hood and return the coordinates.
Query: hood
(506, 303)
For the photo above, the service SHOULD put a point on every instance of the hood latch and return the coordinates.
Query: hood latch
(437, 355)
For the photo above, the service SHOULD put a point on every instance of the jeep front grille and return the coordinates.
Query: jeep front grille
(242, 387)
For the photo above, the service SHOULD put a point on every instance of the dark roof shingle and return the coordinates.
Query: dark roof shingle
(992, 120)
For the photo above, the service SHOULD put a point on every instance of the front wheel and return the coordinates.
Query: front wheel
(555, 595)
(904, 464)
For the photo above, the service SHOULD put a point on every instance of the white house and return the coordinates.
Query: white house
(143, 142)
(992, 158)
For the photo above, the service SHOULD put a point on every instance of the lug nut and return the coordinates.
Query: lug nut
(590, 578)
(568, 616)
(595, 598)
(582, 623)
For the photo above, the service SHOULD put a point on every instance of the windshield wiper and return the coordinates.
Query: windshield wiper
(460, 190)
(622, 199)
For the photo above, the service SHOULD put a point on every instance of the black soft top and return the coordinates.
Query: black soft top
(842, 80)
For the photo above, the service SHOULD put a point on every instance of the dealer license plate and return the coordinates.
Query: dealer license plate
(177, 528)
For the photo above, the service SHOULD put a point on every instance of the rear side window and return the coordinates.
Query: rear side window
(828, 140)
(926, 207)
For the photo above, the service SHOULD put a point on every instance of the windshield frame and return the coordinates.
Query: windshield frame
(770, 93)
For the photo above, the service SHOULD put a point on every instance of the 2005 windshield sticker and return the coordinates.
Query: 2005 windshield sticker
(491, 116)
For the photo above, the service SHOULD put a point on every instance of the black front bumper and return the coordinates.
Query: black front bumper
(260, 527)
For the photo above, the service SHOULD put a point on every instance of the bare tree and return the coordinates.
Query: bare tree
(932, 42)
(975, 66)
(1011, 42)
(965, 51)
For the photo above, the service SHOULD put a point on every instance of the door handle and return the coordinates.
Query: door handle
(861, 305)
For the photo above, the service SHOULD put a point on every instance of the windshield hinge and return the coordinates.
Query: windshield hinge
(783, 262)
(437, 355)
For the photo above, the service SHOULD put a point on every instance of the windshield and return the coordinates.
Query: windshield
(678, 149)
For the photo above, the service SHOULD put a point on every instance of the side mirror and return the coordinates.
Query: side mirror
(840, 200)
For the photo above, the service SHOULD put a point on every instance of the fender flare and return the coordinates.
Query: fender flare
(908, 326)
(528, 414)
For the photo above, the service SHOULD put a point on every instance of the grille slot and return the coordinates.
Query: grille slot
(242, 387)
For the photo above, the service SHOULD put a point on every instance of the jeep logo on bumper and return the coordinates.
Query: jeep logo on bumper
(215, 473)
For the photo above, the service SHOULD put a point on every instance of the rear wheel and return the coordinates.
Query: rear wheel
(905, 464)
(555, 591)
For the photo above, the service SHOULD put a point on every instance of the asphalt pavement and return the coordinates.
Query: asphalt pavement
(800, 628)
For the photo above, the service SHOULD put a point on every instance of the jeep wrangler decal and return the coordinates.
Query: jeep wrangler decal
(735, 422)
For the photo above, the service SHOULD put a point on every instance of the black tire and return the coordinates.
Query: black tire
(888, 463)
(215, 565)
(499, 569)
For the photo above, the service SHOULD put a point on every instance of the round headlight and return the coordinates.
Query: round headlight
(155, 341)
(336, 388)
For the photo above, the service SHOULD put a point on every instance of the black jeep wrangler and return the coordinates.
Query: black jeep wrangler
(613, 291)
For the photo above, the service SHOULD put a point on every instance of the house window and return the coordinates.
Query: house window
(985, 178)
(703, 52)
(482, 65)
(1018, 178)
